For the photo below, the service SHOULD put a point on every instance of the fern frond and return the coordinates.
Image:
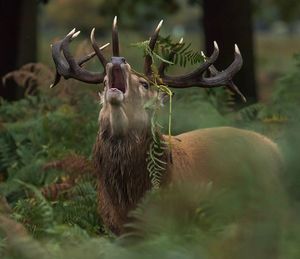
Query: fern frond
(80, 209)
(251, 112)
(183, 54)
(8, 151)
(35, 213)
(155, 165)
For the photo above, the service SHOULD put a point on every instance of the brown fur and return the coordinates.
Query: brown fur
(225, 156)
(122, 174)
(220, 155)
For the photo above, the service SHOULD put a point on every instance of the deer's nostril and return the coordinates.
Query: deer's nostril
(118, 60)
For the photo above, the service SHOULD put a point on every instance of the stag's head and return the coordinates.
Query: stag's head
(125, 91)
(124, 97)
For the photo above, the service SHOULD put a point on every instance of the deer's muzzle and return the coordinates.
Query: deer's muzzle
(116, 73)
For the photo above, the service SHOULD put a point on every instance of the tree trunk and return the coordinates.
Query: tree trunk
(229, 22)
(18, 26)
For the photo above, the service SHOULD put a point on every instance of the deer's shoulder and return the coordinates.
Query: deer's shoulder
(222, 135)
(222, 150)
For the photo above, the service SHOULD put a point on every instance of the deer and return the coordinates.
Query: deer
(124, 137)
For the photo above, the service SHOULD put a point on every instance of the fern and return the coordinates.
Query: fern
(158, 148)
(28, 107)
(81, 208)
(8, 153)
(183, 54)
(3, 245)
(155, 165)
(35, 213)
(251, 112)
(166, 211)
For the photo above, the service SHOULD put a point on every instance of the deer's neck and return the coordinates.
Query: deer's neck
(121, 165)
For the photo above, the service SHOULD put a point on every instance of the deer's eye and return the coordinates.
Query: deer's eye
(145, 84)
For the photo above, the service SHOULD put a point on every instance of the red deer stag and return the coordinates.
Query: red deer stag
(124, 136)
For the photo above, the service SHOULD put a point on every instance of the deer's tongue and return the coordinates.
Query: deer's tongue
(117, 78)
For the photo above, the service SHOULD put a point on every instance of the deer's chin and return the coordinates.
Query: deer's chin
(115, 96)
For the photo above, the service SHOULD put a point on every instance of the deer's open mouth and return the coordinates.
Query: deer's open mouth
(117, 78)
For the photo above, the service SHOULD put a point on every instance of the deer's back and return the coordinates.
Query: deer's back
(225, 155)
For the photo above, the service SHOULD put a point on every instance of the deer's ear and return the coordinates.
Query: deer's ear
(163, 98)
(101, 97)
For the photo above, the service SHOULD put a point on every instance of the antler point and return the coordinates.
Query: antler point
(159, 26)
(71, 32)
(216, 45)
(237, 50)
(104, 46)
(75, 35)
(92, 36)
(115, 21)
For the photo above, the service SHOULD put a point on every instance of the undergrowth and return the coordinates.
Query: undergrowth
(179, 222)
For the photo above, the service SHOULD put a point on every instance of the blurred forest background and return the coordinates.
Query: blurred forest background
(39, 125)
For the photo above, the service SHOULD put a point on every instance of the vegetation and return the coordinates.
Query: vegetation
(183, 221)
(48, 197)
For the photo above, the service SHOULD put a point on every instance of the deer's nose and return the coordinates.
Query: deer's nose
(118, 60)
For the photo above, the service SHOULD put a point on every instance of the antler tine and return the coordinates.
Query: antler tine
(233, 88)
(196, 78)
(61, 65)
(231, 85)
(164, 65)
(224, 77)
(115, 38)
(65, 49)
(69, 67)
(89, 56)
(56, 79)
(181, 81)
(152, 42)
(99, 54)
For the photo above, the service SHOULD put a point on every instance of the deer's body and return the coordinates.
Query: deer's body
(217, 154)
(227, 157)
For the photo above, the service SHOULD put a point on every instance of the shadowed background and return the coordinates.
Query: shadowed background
(46, 136)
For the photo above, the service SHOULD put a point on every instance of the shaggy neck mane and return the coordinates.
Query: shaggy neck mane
(121, 164)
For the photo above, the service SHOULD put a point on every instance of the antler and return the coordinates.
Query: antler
(68, 67)
(197, 77)
(115, 38)
(231, 85)
(152, 42)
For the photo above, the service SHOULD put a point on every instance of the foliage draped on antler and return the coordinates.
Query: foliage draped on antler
(68, 67)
